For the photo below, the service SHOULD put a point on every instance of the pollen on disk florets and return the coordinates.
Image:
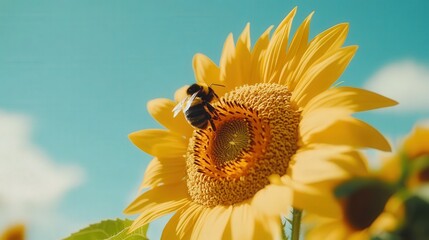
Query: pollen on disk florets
(256, 136)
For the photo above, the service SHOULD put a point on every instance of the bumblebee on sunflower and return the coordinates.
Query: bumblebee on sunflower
(276, 127)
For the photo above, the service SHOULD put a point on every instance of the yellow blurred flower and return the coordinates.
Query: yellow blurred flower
(417, 143)
(369, 207)
(15, 232)
(411, 161)
(277, 115)
(389, 198)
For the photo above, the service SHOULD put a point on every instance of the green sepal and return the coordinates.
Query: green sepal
(284, 228)
(420, 163)
(349, 187)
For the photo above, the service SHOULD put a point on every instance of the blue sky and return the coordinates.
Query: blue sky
(77, 76)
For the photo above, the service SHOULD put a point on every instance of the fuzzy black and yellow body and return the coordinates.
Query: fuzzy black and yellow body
(204, 92)
(196, 106)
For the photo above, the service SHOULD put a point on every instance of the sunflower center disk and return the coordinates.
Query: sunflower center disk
(232, 140)
(256, 136)
(363, 206)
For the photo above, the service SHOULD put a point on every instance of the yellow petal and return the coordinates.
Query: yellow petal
(242, 61)
(170, 230)
(273, 200)
(351, 132)
(181, 224)
(329, 40)
(391, 169)
(161, 110)
(205, 70)
(275, 54)
(199, 223)
(286, 21)
(164, 171)
(214, 223)
(304, 196)
(157, 202)
(392, 216)
(385, 221)
(180, 93)
(168, 196)
(417, 143)
(227, 73)
(257, 53)
(188, 219)
(242, 222)
(319, 48)
(360, 235)
(327, 163)
(329, 230)
(295, 52)
(352, 99)
(268, 227)
(161, 143)
(321, 75)
(244, 38)
(319, 120)
(235, 62)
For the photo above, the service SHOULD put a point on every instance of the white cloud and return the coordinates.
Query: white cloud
(31, 183)
(405, 81)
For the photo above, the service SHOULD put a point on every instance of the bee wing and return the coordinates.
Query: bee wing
(179, 107)
(190, 100)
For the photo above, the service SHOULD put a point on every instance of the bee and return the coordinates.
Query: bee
(196, 106)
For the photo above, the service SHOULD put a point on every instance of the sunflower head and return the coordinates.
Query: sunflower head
(370, 207)
(363, 200)
(276, 115)
(387, 204)
(255, 138)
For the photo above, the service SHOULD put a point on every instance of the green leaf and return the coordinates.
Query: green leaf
(284, 228)
(416, 222)
(110, 229)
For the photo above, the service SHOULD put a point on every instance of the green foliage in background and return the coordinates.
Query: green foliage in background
(110, 229)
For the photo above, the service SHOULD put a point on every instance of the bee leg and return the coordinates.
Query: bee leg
(212, 124)
(212, 110)
(216, 96)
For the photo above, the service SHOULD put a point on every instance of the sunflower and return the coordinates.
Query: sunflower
(15, 232)
(365, 201)
(369, 207)
(411, 160)
(382, 199)
(276, 116)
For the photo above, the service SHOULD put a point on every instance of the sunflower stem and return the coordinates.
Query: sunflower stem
(296, 223)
